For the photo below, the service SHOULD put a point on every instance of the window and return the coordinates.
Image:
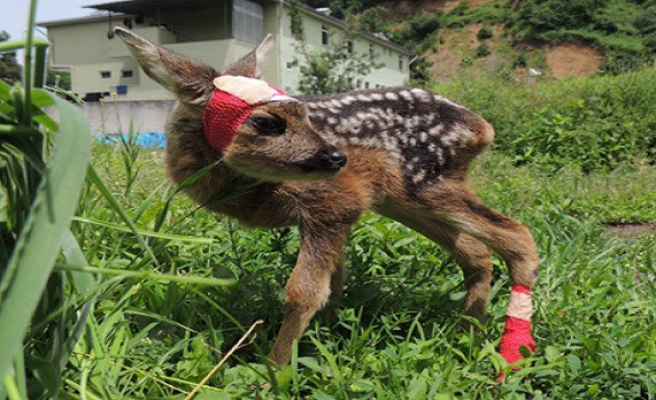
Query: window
(371, 51)
(126, 73)
(349, 46)
(290, 65)
(325, 35)
(247, 21)
(400, 63)
(366, 85)
(105, 74)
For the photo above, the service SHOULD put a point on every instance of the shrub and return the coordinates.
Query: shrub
(595, 123)
(484, 33)
(482, 50)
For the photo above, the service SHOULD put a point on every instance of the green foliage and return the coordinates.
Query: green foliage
(621, 27)
(595, 123)
(371, 20)
(484, 33)
(418, 29)
(397, 332)
(485, 13)
(332, 68)
(10, 70)
(42, 169)
(60, 80)
(139, 306)
(482, 50)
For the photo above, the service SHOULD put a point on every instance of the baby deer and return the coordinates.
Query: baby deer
(320, 162)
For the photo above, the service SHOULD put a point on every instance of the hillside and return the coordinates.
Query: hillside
(549, 38)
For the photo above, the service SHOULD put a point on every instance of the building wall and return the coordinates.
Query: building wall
(112, 56)
(128, 116)
(388, 75)
(85, 48)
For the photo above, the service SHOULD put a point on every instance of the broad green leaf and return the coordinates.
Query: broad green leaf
(3, 204)
(40, 241)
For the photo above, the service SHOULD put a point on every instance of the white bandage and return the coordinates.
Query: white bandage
(520, 306)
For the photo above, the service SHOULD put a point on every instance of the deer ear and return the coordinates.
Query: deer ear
(189, 80)
(252, 64)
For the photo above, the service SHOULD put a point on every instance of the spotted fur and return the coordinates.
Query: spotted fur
(424, 133)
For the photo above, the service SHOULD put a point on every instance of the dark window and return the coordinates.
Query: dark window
(371, 51)
(400, 63)
(325, 37)
(105, 74)
(127, 73)
(349, 46)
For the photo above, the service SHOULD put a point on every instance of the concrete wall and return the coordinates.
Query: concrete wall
(123, 117)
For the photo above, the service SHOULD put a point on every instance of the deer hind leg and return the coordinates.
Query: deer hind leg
(473, 257)
(458, 208)
(309, 286)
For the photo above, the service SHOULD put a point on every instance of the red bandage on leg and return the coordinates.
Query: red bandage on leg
(517, 332)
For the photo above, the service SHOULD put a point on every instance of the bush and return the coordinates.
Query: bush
(482, 50)
(595, 123)
(484, 33)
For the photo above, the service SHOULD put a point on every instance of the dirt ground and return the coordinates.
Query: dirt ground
(572, 60)
(561, 60)
(631, 230)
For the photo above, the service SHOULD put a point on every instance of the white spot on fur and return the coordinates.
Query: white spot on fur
(348, 100)
(436, 130)
(419, 176)
(421, 95)
(406, 95)
(391, 96)
(364, 98)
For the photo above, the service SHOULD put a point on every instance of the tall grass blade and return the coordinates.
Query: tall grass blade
(114, 203)
(40, 241)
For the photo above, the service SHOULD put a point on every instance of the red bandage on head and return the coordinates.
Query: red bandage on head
(232, 102)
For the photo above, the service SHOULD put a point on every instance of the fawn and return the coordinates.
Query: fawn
(320, 162)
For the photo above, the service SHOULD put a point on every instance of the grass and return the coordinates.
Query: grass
(397, 333)
(150, 293)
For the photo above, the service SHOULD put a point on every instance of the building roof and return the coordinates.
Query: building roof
(72, 21)
(141, 7)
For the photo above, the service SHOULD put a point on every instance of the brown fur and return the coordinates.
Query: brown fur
(265, 181)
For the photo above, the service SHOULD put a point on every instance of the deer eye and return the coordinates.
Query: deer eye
(270, 125)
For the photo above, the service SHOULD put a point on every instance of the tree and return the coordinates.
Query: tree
(10, 70)
(61, 80)
(331, 69)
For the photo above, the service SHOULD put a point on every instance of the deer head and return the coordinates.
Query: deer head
(254, 127)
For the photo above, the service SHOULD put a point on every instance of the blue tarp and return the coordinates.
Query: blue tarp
(148, 140)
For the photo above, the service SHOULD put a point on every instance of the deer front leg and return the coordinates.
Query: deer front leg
(308, 288)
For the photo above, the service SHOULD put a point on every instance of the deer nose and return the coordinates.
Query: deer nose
(334, 159)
